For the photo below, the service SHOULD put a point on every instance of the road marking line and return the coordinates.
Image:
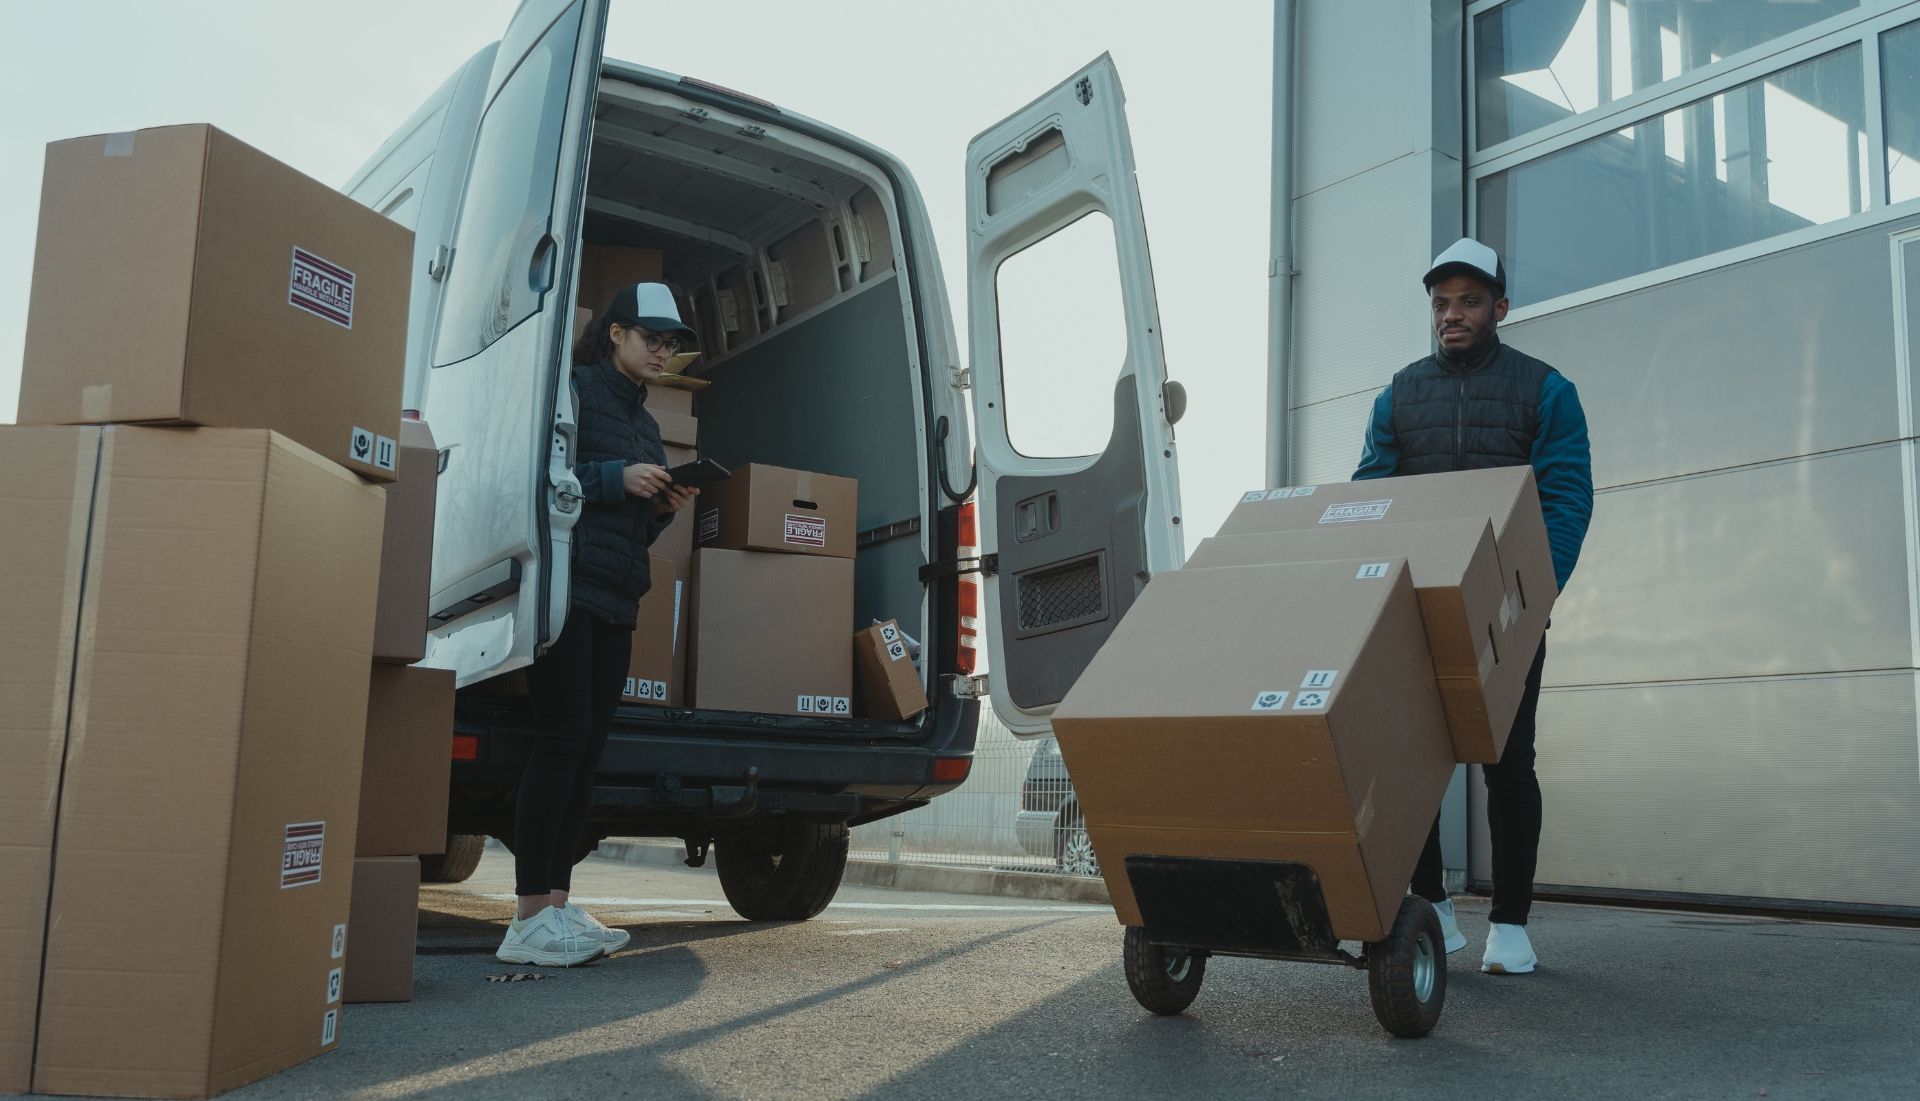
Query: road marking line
(925, 907)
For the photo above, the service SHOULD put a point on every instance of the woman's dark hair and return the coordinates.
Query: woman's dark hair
(595, 343)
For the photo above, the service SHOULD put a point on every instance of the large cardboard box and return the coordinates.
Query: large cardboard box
(676, 543)
(386, 930)
(887, 683)
(407, 763)
(406, 550)
(1296, 719)
(604, 269)
(46, 498)
(770, 633)
(260, 298)
(676, 429)
(1468, 613)
(650, 669)
(211, 759)
(582, 317)
(662, 398)
(771, 508)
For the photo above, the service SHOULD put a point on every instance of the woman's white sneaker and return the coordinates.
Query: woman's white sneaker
(612, 940)
(1450, 927)
(548, 939)
(1509, 951)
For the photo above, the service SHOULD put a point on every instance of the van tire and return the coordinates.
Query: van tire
(457, 863)
(790, 872)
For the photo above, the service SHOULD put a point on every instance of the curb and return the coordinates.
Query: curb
(904, 876)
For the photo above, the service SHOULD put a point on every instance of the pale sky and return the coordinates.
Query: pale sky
(320, 88)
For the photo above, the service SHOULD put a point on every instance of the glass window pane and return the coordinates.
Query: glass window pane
(1539, 61)
(509, 201)
(1771, 156)
(1063, 340)
(1900, 73)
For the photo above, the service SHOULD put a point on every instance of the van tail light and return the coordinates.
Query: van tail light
(951, 770)
(466, 747)
(967, 654)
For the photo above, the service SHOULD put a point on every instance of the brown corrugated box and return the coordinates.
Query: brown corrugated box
(605, 269)
(408, 760)
(386, 930)
(886, 682)
(771, 508)
(46, 496)
(676, 543)
(1456, 575)
(669, 399)
(406, 551)
(225, 633)
(678, 429)
(770, 633)
(650, 669)
(262, 298)
(1282, 712)
(582, 317)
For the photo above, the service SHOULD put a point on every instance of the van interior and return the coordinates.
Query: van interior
(782, 250)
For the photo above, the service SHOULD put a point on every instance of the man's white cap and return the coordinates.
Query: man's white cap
(1467, 257)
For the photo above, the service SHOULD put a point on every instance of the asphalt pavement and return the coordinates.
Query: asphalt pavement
(911, 995)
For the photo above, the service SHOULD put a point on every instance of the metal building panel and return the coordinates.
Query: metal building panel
(1788, 568)
(1359, 311)
(1788, 354)
(1327, 439)
(1784, 788)
(1362, 86)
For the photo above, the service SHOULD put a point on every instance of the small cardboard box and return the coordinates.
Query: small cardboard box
(771, 508)
(1505, 496)
(262, 298)
(222, 641)
(1296, 719)
(407, 763)
(887, 682)
(770, 633)
(406, 551)
(605, 269)
(676, 429)
(669, 399)
(650, 669)
(1467, 612)
(386, 930)
(582, 317)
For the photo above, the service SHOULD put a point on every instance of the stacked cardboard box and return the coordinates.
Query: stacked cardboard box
(671, 404)
(650, 678)
(773, 594)
(1342, 647)
(197, 609)
(604, 269)
(886, 680)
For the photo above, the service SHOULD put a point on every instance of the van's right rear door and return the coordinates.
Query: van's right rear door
(498, 400)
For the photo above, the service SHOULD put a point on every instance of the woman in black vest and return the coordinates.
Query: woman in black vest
(575, 686)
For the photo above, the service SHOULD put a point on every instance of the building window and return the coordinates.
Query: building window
(1900, 76)
(1777, 154)
(1540, 62)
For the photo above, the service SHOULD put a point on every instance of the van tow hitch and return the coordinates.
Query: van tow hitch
(697, 852)
(737, 802)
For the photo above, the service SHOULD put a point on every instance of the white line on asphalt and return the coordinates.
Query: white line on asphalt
(931, 907)
(871, 932)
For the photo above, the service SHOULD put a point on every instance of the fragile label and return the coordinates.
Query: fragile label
(840, 706)
(806, 531)
(385, 452)
(333, 985)
(709, 525)
(300, 859)
(339, 940)
(329, 1027)
(320, 287)
(1320, 678)
(1269, 701)
(1372, 571)
(360, 446)
(1310, 701)
(1355, 511)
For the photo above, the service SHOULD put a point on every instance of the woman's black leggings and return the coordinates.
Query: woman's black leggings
(575, 687)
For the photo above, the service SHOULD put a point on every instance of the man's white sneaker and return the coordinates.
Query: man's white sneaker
(1450, 927)
(1509, 951)
(590, 926)
(549, 940)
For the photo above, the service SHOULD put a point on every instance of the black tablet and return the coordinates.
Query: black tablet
(698, 474)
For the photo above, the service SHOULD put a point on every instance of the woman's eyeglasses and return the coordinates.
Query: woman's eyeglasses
(654, 341)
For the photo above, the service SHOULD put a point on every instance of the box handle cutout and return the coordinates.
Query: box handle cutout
(1520, 587)
(1493, 646)
(810, 506)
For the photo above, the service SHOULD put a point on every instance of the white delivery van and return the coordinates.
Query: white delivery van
(808, 260)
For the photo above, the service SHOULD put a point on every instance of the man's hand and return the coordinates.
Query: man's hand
(675, 499)
(644, 479)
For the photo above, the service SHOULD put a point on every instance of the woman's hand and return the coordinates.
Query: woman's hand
(675, 499)
(644, 479)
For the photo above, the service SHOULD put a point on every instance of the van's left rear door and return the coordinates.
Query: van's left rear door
(498, 400)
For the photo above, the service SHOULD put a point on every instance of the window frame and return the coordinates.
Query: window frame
(1863, 26)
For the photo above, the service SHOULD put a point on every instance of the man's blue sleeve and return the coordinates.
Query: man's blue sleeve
(1381, 457)
(1563, 468)
(602, 483)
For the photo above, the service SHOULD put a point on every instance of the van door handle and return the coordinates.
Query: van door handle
(540, 271)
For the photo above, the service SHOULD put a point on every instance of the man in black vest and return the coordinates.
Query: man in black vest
(1477, 403)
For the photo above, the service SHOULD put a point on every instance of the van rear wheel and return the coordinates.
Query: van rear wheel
(789, 872)
(461, 857)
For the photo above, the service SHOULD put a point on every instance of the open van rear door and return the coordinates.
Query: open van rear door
(497, 398)
(1078, 515)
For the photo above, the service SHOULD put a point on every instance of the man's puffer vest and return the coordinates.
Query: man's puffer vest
(610, 572)
(1482, 413)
